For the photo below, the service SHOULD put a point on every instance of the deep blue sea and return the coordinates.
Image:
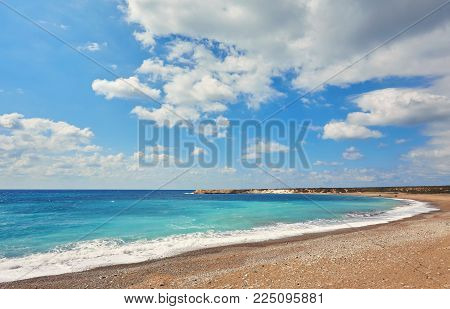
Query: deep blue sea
(51, 232)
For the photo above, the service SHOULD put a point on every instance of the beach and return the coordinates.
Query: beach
(410, 253)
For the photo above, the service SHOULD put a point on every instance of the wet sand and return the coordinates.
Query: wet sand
(410, 253)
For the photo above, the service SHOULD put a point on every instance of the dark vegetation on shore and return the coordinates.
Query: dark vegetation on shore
(410, 190)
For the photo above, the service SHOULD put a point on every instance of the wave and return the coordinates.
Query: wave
(103, 252)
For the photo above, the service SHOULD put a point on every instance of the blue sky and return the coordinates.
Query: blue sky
(66, 122)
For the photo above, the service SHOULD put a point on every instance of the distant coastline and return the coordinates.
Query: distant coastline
(406, 189)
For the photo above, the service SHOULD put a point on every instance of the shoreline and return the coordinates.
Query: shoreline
(98, 277)
(320, 190)
(41, 265)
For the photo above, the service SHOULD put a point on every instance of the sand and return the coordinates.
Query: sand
(411, 253)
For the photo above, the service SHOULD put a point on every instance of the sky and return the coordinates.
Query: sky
(373, 77)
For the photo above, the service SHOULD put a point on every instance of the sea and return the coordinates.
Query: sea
(48, 232)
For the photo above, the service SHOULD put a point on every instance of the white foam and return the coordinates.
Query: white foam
(90, 254)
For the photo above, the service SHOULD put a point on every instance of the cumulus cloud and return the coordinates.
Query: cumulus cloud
(43, 147)
(126, 88)
(271, 25)
(342, 130)
(41, 152)
(156, 68)
(403, 107)
(211, 62)
(217, 54)
(10, 120)
(316, 37)
(215, 128)
(258, 147)
(394, 106)
(351, 153)
(23, 135)
(389, 107)
(203, 82)
(167, 114)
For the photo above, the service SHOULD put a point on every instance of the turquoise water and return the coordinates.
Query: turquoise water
(72, 230)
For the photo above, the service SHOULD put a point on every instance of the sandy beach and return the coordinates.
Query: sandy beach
(410, 253)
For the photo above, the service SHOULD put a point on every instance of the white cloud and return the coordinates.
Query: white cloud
(326, 163)
(272, 26)
(313, 39)
(157, 69)
(124, 88)
(351, 153)
(216, 128)
(144, 37)
(222, 121)
(38, 152)
(342, 130)
(151, 156)
(157, 148)
(222, 124)
(43, 153)
(212, 62)
(267, 147)
(396, 106)
(434, 157)
(212, 83)
(258, 147)
(317, 37)
(93, 46)
(251, 156)
(22, 135)
(420, 53)
(401, 141)
(193, 74)
(403, 107)
(181, 51)
(167, 114)
(207, 87)
(198, 151)
(43, 147)
(10, 120)
(346, 177)
(389, 107)
(211, 89)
